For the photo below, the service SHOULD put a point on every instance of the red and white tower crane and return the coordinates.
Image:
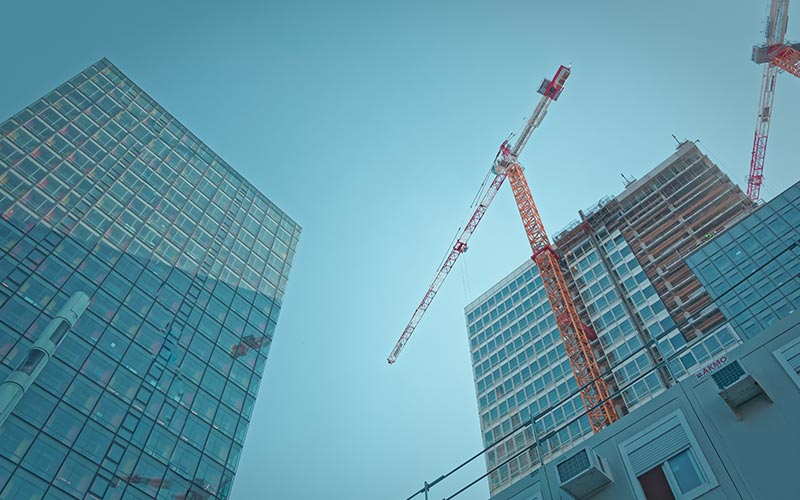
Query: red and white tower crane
(575, 337)
(776, 55)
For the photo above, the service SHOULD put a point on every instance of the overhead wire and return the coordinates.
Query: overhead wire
(478, 196)
(652, 343)
(465, 278)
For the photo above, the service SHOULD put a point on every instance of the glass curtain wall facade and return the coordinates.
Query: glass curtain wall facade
(521, 370)
(654, 323)
(752, 270)
(186, 263)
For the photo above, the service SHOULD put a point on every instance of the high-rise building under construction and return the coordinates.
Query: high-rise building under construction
(651, 320)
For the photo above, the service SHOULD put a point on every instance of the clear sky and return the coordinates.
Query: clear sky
(372, 124)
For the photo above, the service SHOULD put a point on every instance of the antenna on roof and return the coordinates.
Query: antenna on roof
(628, 182)
(680, 143)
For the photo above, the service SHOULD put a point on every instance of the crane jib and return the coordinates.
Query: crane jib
(550, 89)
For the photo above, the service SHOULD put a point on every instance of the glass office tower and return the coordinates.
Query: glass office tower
(752, 270)
(186, 263)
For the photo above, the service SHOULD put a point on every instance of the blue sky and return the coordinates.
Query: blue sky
(373, 124)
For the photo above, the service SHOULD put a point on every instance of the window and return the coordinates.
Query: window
(82, 394)
(666, 463)
(98, 368)
(211, 472)
(64, 424)
(24, 485)
(123, 384)
(685, 471)
(218, 446)
(54, 377)
(185, 458)
(93, 442)
(147, 476)
(196, 431)
(109, 411)
(15, 438)
(789, 357)
(161, 443)
(75, 475)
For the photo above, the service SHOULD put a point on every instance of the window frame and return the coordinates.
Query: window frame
(673, 481)
(784, 353)
(703, 468)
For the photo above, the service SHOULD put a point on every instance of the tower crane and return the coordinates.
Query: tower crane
(594, 393)
(775, 54)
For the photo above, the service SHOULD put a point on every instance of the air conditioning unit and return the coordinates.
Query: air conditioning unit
(583, 473)
(737, 387)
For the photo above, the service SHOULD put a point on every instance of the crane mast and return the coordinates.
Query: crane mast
(759, 153)
(776, 55)
(594, 392)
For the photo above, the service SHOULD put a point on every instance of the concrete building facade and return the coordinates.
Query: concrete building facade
(726, 432)
(150, 394)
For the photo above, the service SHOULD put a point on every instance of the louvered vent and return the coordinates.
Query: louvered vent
(573, 466)
(737, 387)
(583, 473)
(728, 374)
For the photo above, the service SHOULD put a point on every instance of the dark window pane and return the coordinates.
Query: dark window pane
(31, 361)
(161, 443)
(137, 360)
(147, 476)
(205, 405)
(113, 344)
(60, 331)
(210, 474)
(655, 486)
